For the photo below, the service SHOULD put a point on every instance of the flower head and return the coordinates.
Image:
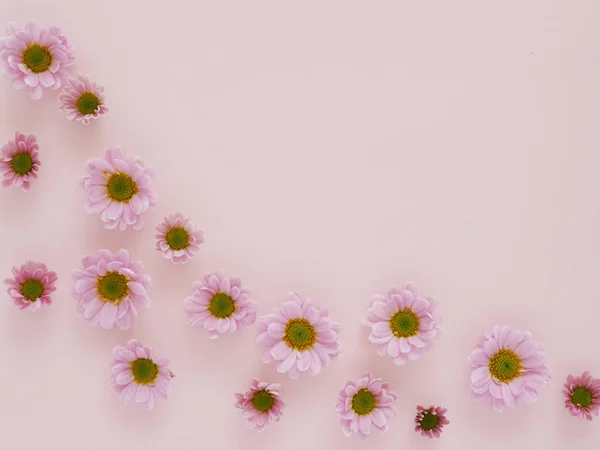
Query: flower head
(582, 395)
(508, 368)
(261, 404)
(365, 404)
(119, 189)
(220, 304)
(31, 285)
(20, 162)
(299, 337)
(138, 376)
(35, 58)
(110, 288)
(430, 421)
(403, 323)
(82, 100)
(177, 238)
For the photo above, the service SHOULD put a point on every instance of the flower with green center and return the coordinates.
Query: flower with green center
(37, 58)
(221, 305)
(82, 100)
(32, 289)
(19, 161)
(120, 187)
(430, 421)
(300, 334)
(263, 401)
(177, 238)
(405, 323)
(364, 402)
(87, 103)
(22, 163)
(112, 287)
(261, 404)
(144, 370)
(582, 396)
(505, 366)
(31, 285)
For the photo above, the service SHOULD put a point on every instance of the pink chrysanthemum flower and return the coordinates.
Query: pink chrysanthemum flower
(299, 337)
(582, 395)
(35, 58)
(138, 376)
(366, 404)
(430, 421)
(31, 285)
(261, 404)
(220, 304)
(508, 368)
(82, 100)
(20, 161)
(178, 240)
(119, 188)
(110, 289)
(403, 323)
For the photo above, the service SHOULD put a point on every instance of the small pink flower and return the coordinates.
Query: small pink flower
(20, 161)
(35, 58)
(110, 289)
(220, 304)
(261, 404)
(508, 368)
(138, 376)
(582, 395)
(366, 404)
(82, 100)
(403, 323)
(177, 238)
(119, 188)
(31, 285)
(430, 421)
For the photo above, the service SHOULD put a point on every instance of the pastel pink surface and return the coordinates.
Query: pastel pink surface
(332, 149)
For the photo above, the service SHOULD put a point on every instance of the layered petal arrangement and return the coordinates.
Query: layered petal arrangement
(20, 161)
(31, 285)
(177, 238)
(582, 395)
(261, 404)
(82, 100)
(430, 421)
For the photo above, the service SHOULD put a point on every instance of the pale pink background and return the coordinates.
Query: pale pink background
(332, 148)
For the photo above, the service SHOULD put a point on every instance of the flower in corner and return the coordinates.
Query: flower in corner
(35, 58)
(261, 404)
(430, 421)
(365, 404)
(31, 285)
(508, 368)
(582, 395)
(177, 239)
(138, 376)
(20, 161)
(82, 100)
(119, 188)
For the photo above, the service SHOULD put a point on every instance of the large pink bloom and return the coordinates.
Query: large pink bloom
(299, 337)
(508, 368)
(261, 404)
(365, 404)
(31, 286)
(403, 323)
(119, 188)
(20, 161)
(177, 238)
(82, 100)
(110, 289)
(35, 58)
(138, 376)
(582, 395)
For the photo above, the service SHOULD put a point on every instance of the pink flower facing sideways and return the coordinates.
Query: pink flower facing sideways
(508, 368)
(138, 376)
(19, 162)
(365, 404)
(582, 395)
(430, 421)
(119, 188)
(82, 100)
(403, 323)
(31, 285)
(261, 404)
(177, 238)
(35, 58)
(299, 337)
(110, 289)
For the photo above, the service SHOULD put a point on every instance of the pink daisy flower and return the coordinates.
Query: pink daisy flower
(430, 421)
(403, 323)
(582, 395)
(138, 376)
(220, 304)
(110, 289)
(178, 239)
(35, 58)
(261, 404)
(20, 161)
(366, 404)
(508, 368)
(299, 337)
(119, 189)
(31, 285)
(82, 100)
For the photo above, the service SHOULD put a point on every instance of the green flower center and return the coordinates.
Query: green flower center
(300, 334)
(363, 402)
(112, 287)
(144, 371)
(121, 187)
(22, 163)
(37, 58)
(429, 421)
(263, 401)
(87, 103)
(404, 323)
(505, 366)
(582, 397)
(177, 238)
(221, 305)
(32, 289)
